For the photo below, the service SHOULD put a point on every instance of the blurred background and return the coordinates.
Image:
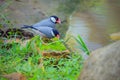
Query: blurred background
(93, 20)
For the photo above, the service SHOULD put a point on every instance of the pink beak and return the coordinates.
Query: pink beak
(58, 36)
(58, 21)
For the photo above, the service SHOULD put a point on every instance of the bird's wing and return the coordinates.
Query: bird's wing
(45, 23)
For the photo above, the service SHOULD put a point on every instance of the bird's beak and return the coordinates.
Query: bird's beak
(58, 36)
(58, 21)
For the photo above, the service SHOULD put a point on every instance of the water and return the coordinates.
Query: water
(79, 26)
(94, 27)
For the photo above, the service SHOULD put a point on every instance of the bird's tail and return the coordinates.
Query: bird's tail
(31, 27)
(26, 26)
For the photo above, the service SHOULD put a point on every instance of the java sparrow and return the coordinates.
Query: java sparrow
(46, 27)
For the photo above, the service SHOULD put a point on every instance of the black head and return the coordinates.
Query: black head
(55, 19)
(56, 33)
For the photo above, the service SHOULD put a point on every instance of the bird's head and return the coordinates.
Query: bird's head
(55, 33)
(55, 19)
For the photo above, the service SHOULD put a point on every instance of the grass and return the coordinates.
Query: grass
(82, 45)
(28, 60)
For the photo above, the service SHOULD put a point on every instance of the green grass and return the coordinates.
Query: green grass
(82, 45)
(25, 59)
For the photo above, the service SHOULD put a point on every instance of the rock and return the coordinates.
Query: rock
(115, 36)
(103, 64)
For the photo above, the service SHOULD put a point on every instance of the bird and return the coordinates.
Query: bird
(50, 22)
(46, 27)
(45, 31)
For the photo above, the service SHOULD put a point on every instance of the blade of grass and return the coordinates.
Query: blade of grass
(82, 44)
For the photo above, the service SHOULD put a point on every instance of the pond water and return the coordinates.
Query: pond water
(95, 28)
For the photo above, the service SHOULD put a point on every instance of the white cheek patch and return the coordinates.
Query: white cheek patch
(52, 33)
(53, 19)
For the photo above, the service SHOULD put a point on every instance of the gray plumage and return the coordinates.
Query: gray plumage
(45, 22)
(44, 31)
(47, 31)
(50, 22)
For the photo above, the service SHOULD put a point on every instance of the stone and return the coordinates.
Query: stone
(103, 64)
(115, 36)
